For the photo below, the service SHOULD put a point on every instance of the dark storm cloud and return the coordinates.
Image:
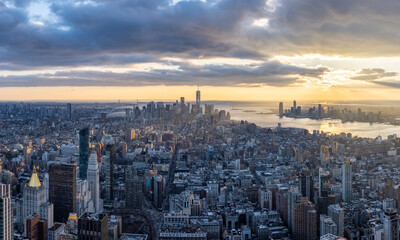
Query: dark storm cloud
(122, 32)
(83, 31)
(365, 28)
(10, 18)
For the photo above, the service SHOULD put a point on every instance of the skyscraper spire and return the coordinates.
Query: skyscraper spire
(198, 96)
(34, 181)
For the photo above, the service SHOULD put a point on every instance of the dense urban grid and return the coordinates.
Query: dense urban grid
(178, 171)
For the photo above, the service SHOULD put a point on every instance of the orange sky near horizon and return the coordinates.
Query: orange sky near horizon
(209, 93)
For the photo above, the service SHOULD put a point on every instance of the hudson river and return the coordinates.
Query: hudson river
(269, 119)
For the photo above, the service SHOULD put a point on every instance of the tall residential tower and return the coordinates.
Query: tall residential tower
(6, 213)
(94, 182)
(83, 152)
(62, 192)
(347, 188)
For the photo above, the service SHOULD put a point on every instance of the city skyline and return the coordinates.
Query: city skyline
(254, 50)
(199, 119)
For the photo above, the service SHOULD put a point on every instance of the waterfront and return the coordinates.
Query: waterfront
(263, 114)
(335, 126)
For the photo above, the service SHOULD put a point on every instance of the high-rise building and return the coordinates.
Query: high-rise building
(305, 220)
(158, 184)
(324, 183)
(324, 198)
(83, 152)
(55, 231)
(280, 109)
(62, 179)
(129, 135)
(327, 225)
(320, 111)
(72, 223)
(323, 203)
(35, 200)
(93, 177)
(133, 189)
(196, 108)
(347, 188)
(36, 228)
(264, 198)
(294, 106)
(69, 110)
(84, 201)
(6, 213)
(198, 98)
(337, 214)
(294, 196)
(109, 173)
(391, 223)
(306, 184)
(93, 226)
(324, 155)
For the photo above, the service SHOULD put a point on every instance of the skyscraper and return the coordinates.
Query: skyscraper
(294, 196)
(306, 184)
(158, 184)
(305, 220)
(133, 189)
(62, 179)
(324, 155)
(83, 152)
(347, 189)
(92, 226)
(325, 198)
(324, 183)
(6, 213)
(391, 223)
(337, 214)
(84, 202)
(280, 109)
(34, 195)
(36, 228)
(109, 173)
(198, 98)
(327, 225)
(69, 110)
(94, 182)
(35, 200)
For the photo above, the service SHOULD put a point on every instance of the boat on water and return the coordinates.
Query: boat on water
(265, 113)
(233, 108)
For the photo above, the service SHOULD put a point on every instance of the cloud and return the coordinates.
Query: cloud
(10, 19)
(126, 32)
(373, 74)
(270, 73)
(377, 76)
(392, 84)
(188, 28)
(355, 28)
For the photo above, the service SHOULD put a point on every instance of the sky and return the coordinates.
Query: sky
(243, 50)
